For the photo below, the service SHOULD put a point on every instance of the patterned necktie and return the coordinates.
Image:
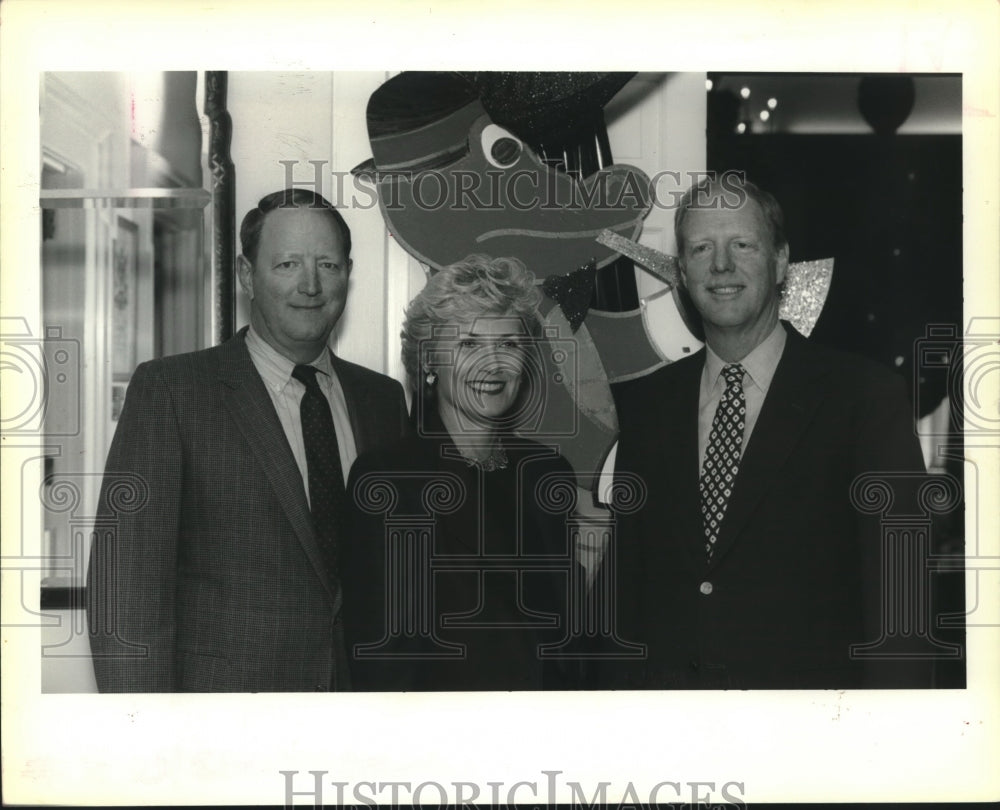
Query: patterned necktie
(327, 496)
(722, 456)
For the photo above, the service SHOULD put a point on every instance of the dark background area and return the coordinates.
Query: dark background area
(888, 208)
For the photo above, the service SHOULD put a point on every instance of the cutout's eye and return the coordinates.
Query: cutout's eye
(501, 148)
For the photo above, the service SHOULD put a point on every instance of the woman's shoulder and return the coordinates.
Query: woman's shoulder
(413, 454)
(407, 453)
(540, 456)
(403, 468)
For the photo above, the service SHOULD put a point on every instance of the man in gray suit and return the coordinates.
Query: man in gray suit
(214, 563)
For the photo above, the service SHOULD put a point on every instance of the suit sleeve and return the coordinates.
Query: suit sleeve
(402, 415)
(363, 577)
(553, 592)
(887, 448)
(132, 576)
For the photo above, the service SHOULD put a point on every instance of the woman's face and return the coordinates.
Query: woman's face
(479, 371)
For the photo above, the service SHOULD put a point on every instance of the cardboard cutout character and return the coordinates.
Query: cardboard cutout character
(452, 182)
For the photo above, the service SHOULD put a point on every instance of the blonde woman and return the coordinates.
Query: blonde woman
(455, 567)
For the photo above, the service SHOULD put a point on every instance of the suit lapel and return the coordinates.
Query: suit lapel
(681, 417)
(356, 395)
(791, 402)
(252, 410)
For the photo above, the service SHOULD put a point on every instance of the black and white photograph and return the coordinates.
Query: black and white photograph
(612, 426)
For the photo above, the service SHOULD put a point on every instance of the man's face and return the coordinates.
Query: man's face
(731, 269)
(298, 282)
(483, 378)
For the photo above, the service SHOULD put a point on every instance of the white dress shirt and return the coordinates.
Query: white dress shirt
(759, 365)
(286, 393)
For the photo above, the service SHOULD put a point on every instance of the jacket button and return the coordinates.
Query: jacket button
(705, 588)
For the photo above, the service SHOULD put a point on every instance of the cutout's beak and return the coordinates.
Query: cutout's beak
(661, 265)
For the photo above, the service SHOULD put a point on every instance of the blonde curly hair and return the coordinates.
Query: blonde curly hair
(459, 293)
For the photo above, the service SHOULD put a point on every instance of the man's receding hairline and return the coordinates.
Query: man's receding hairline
(714, 190)
(319, 209)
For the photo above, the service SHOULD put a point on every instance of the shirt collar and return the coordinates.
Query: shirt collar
(759, 365)
(276, 369)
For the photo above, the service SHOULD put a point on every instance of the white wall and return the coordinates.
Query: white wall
(657, 123)
(66, 665)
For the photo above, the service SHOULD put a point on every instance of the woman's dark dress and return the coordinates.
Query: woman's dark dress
(500, 515)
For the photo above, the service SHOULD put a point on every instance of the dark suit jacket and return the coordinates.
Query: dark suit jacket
(205, 572)
(795, 576)
(487, 515)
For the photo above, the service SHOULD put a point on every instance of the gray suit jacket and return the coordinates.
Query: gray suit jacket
(205, 571)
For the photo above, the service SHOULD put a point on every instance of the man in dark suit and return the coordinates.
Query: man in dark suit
(214, 564)
(748, 565)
